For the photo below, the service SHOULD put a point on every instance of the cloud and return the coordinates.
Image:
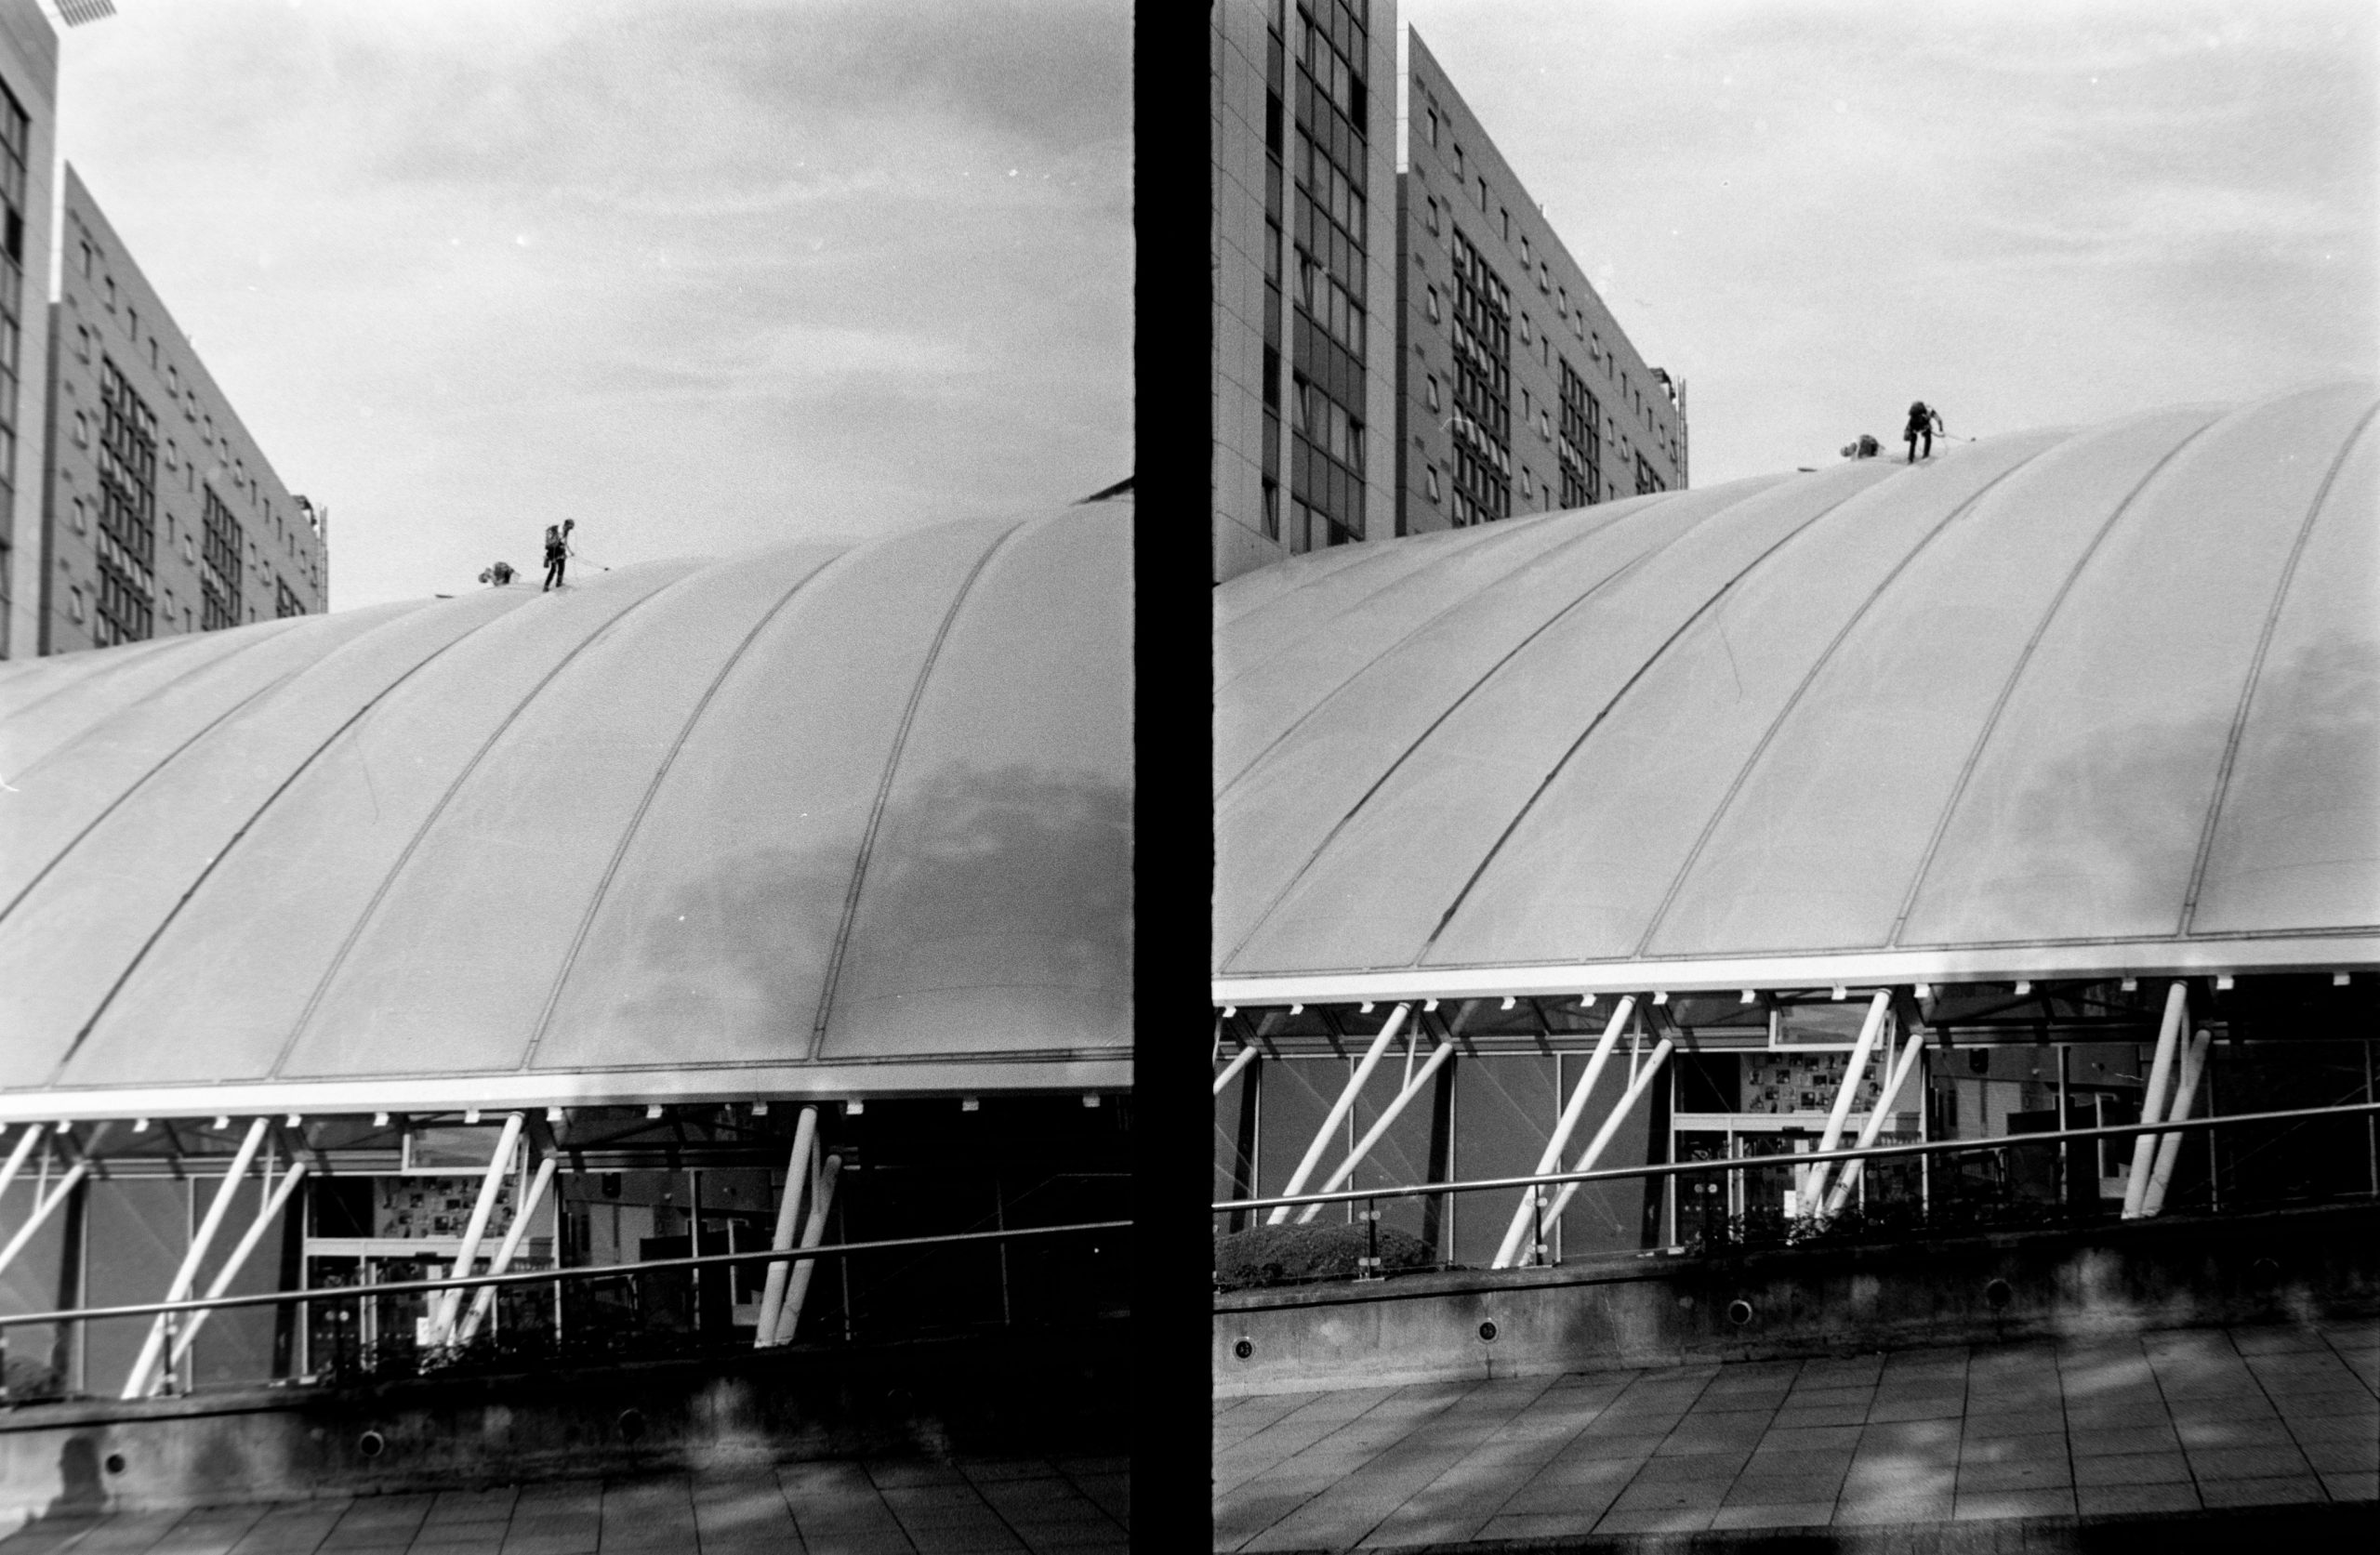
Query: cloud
(699, 275)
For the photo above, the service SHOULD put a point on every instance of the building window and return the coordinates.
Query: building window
(1482, 419)
(1482, 194)
(1431, 380)
(1272, 515)
(81, 517)
(1579, 452)
(82, 430)
(220, 566)
(75, 604)
(1562, 301)
(1505, 218)
(127, 502)
(1431, 304)
(1458, 163)
(1528, 330)
(286, 602)
(1433, 474)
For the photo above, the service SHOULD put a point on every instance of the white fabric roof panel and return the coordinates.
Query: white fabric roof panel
(606, 843)
(2002, 698)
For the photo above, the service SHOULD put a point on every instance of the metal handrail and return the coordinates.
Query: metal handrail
(522, 1277)
(1797, 1158)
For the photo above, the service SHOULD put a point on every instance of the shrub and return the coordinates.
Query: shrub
(1288, 1254)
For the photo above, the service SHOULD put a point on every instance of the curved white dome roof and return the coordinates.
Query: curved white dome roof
(2054, 703)
(829, 819)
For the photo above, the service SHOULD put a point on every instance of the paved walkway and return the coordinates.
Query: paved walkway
(906, 1507)
(2171, 1422)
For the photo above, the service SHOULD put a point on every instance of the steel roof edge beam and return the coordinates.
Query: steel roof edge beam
(827, 1082)
(2355, 949)
(1551, 1157)
(1339, 1109)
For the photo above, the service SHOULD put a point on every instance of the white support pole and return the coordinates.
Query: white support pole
(42, 1207)
(1412, 1088)
(136, 1385)
(2152, 1098)
(1550, 1158)
(1239, 1061)
(449, 1303)
(25, 1142)
(1845, 1094)
(797, 1174)
(1847, 1180)
(275, 1199)
(483, 1298)
(1628, 1100)
(2169, 1146)
(822, 1199)
(1315, 1152)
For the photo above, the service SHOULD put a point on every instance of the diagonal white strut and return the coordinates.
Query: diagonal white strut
(153, 1346)
(25, 1142)
(483, 1298)
(1314, 1151)
(822, 1199)
(441, 1330)
(2169, 1146)
(797, 1173)
(275, 1199)
(1413, 1086)
(41, 1211)
(1626, 1104)
(1847, 1182)
(1550, 1158)
(2152, 1100)
(1848, 1091)
(1239, 1061)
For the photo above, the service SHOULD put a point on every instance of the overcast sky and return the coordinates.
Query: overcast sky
(2027, 214)
(703, 275)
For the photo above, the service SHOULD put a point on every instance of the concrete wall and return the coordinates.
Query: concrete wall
(1649, 1310)
(1051, 1394)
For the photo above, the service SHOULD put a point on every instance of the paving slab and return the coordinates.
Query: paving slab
(2023, 1436)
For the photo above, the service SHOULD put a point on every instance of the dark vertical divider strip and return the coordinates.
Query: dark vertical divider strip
(1174, 850)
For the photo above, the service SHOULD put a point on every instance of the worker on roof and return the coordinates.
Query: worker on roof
(1923, 423)
(557, 552)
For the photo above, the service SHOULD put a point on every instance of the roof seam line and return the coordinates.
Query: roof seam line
(1705, 608)
(238, 835)
(2255, 672)
(2017, 674)
(1768, 737)
(153, 648)
(644, 804)
(387, 880)
(1539, 559)
(116, 803)
(833, 979)
(1624, 569)
(1487, 537)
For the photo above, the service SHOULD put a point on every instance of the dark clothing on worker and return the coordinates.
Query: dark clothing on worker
(1923, 423)
(556, 553)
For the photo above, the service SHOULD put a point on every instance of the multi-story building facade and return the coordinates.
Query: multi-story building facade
(1517, 389)
(161, 514)
(28, 153)
(1303, 240)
